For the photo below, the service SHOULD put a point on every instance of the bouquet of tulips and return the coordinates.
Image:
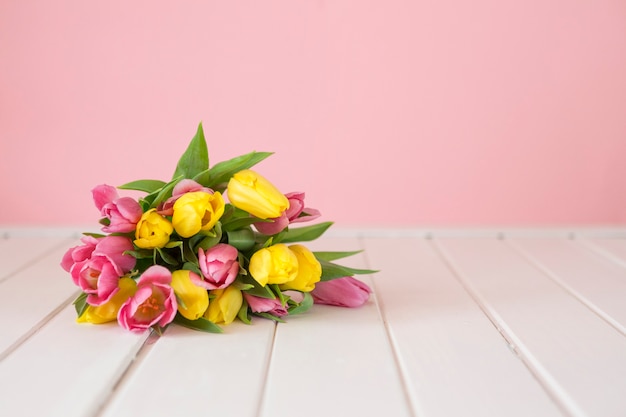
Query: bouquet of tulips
(214, 244)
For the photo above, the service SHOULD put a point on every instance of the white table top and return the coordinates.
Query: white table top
(471, 323)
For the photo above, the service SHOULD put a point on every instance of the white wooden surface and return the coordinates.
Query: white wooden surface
(474, 323)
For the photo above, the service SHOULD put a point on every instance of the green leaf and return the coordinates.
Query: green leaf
(80, 304)
(203, 177)
(189, 255)
(195, 159)
(240, 223)
(331, 271)
(269, 316)
(96, 235)
(279, 294)
(201, 324)
(303, 234)
(167, 257)
(149, 186)
(332, 256)
(243, 239)
(140, 253)
(303, 306)
(244, 314)
(220, 173)
(165, 192)
(257, 289)
(192, 267)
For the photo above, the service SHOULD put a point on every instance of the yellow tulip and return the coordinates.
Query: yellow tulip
(196, 211)
(153, 230)
(108, 311)
(251, 192)
(194, 299)
(309, 270)
(225, 306)
(275, 264)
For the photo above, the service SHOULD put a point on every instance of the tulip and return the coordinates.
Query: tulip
(265, 305)
(225, 306)
(276, 264)
(194, 300)
(309, 270)
(98, 274)
(251, 192)
(108, 311)
(153, 230)
(296, 211)
(294, 214)
(113, 247)
(196, 211)
(122, 213)
(182, 187)
(154, 302)
(219, 265)
(78, 254)
(342, 292)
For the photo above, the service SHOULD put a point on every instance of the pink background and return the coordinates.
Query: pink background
(447, 113)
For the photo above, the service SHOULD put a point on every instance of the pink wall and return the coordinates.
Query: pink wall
(484, 112)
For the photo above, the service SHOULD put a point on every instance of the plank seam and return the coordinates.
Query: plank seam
(554, 392)
(266, 373)
(38, 258)
(135, 361)
(33, 330)
(604, 253)
(567, 288)
(404, 378)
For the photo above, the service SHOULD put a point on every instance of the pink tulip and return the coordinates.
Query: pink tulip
(294, 214)
(98, 265)
(342, 292)
(122, 213)
(219, 265)
(182, 187)
(79, 253)
(297, 212)
(98, 279)
(154, 303)
(265, 305)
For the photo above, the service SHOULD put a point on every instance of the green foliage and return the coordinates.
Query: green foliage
(195, 160)
(201, 324)
(80, 304)
(303, 306)
(302, 234)
(331, 271)
(147, 186)
(220, 173)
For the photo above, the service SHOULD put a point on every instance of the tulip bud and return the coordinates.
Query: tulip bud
(196, 211)
(194, 300)
(275, 264)
(153, 230)
(251, 192)
(342, 292)
(225, 306)
(309, 270)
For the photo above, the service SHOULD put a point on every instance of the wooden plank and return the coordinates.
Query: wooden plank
(19, 253)
(575, 354)
(334, 361)
(29, 297)
(447, 347)
(66, 369)
(595, 280)
(193, 373)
